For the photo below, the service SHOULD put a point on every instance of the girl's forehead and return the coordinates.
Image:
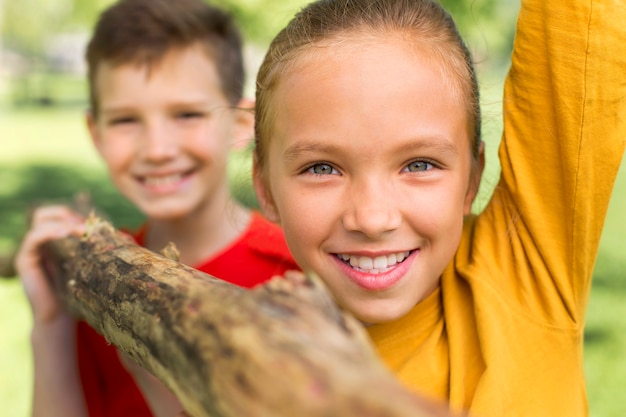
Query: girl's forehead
(369, 58)
(365, 48)
(345, 43)
(384, 90)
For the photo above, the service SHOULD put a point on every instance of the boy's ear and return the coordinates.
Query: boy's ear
(263, 195)
(92, 127)
(475, 176)
(244, 124)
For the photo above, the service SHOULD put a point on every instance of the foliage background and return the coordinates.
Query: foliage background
(46, 156)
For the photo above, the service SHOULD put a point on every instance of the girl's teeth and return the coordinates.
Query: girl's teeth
(366, 263)
(380, 262)
(374, 265)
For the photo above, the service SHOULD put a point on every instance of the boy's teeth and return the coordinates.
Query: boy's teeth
(374, 265)
(169, 179)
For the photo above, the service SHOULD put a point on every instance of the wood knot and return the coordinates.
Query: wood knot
(171, 252)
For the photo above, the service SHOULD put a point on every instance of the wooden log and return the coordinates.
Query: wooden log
(281, 349)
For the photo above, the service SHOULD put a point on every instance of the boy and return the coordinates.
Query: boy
(165, 83)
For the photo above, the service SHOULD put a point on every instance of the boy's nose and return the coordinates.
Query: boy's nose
(159, 142)
(372, 211)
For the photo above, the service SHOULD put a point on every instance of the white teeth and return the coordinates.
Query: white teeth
(374, 265)
(380, 262)
(366, 263)
(165, 180)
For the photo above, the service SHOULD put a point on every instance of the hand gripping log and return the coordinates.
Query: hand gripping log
(283, 349)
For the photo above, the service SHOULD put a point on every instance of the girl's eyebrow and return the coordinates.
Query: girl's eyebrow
(438, 144)
(305, 146)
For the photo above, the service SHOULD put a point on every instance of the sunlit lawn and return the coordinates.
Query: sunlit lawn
(60, 137)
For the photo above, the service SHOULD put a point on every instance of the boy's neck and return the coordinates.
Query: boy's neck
(198, 237)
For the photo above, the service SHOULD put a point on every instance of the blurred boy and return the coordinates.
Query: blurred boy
(165, 82)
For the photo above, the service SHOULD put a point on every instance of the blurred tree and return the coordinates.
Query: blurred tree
(488, 26)
(29, 26)
(261, 20)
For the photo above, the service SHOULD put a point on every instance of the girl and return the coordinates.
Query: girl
(368, 154)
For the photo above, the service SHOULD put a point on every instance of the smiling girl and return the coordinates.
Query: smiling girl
(368, 153)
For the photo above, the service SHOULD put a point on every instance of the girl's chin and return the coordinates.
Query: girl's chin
(377, 312)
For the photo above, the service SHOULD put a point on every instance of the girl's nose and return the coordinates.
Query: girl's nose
(372, 211)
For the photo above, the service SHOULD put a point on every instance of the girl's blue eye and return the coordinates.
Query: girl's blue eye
(322, 169)
(419, 166)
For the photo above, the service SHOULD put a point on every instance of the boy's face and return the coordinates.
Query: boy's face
(368, 171)
(165, 134)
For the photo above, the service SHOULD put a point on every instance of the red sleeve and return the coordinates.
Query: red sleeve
(259, 254)
(110, 391)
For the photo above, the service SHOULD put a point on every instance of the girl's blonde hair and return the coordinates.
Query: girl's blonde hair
(424, 23)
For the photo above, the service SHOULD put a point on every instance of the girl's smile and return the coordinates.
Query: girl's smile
(376, 273)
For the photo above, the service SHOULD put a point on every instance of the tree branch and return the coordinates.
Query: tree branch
(281, 349)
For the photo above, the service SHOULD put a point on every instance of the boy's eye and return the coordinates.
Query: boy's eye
(419, 166)
(122, 120)
(322, 169)
(190, 115)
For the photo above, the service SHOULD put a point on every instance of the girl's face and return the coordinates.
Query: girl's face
(165, 135)
(368, 171)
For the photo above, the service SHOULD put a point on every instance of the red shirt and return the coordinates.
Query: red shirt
(110, 391)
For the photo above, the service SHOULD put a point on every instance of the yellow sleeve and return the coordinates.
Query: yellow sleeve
(564, 137)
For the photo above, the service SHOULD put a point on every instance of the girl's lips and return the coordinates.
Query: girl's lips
(376, 279)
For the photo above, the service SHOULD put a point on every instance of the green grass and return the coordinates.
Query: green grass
(46, 135)
(15, 358)
(46, 155)
(605, 352)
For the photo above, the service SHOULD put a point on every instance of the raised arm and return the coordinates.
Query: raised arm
(564, 136)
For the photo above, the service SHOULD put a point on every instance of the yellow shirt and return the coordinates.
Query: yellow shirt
(503, 335)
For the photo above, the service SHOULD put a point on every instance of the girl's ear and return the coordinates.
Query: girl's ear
(244, 124)
(92, 127)
(264, 195)
(478, 167)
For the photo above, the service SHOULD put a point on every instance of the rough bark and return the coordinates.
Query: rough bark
(281, 349)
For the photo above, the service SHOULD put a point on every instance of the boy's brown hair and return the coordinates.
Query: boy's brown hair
(141, 32)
